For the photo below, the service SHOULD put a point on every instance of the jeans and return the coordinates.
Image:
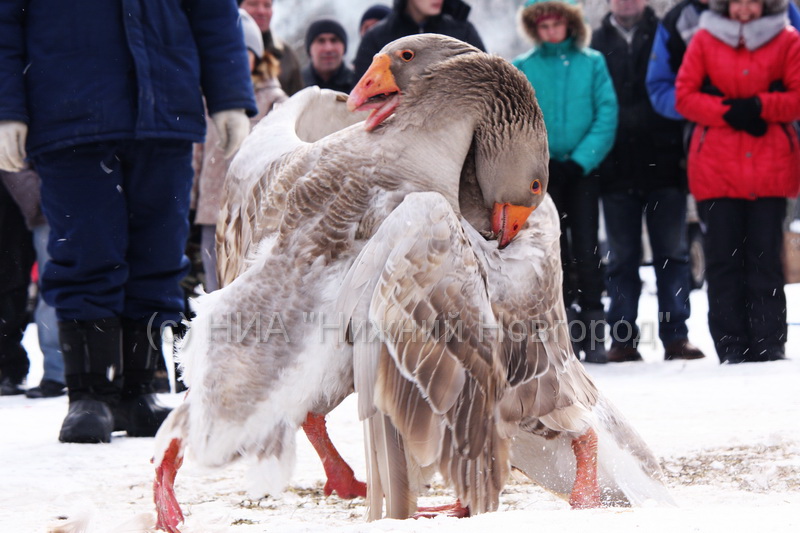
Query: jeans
(665, 212)
(119, 219)
(45, 316)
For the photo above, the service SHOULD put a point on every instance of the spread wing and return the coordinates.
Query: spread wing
(280, 150)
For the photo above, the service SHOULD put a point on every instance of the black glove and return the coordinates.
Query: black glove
(556, 171)
(777, 86)
(709, 88)
(572, 170)
(745, 115)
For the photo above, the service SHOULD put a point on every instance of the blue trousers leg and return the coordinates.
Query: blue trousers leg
(45, 316)
(118, 215)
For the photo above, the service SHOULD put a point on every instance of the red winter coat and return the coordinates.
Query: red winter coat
(726, 163)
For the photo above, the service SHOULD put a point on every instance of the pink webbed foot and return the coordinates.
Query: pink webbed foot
(167, 507)
(455, 510)
(341, 478)
(586, 490)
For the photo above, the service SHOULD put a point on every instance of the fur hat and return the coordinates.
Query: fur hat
(532, 11)
(771, 7)
(325, 26)
(252, 35)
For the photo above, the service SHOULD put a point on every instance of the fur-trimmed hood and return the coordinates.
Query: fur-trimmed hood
(771, 7)
(577, 28)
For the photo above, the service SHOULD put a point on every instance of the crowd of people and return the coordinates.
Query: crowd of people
(105, 164)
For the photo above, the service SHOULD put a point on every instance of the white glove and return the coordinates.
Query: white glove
(12, 145)
(232, 126)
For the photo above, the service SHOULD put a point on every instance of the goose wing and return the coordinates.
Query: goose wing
(280, 150)
(432, 371)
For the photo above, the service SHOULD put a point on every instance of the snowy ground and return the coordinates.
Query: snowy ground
(728, 438)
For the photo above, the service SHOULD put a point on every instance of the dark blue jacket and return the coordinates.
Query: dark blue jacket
(672, 38)
(343, 80)
(89, 71)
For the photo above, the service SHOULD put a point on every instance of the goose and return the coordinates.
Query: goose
(257, 359)
(474, 372)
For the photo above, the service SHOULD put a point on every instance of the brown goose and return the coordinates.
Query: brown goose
(474, 370)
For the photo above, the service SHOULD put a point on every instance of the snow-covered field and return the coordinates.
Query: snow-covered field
(728, 438)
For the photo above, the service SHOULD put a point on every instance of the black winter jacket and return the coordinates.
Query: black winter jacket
(647, 152)
(452, 21)
(343, 80)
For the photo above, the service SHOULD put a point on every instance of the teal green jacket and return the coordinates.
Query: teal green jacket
(577, 98)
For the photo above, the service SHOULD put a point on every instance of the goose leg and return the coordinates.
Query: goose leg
(455, 510)
(167, 507)
(586, 490)
(341, 478)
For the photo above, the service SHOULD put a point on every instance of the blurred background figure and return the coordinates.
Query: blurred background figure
(326, 44)
(642, 174)
(574, 90)
(24, 187)
(372, 16)
(289, 76)
(744, 162)
(211, 164)
(16, 259)
(408, 17)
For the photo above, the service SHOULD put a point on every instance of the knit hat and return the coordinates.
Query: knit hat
(252, 35)
(325, 26)
(378, 11)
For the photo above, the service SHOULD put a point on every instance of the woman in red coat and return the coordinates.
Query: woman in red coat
(740, 82)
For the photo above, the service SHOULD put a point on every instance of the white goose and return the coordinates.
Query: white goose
(463, 118)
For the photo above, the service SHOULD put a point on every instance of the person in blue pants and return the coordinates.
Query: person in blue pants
(107, 98)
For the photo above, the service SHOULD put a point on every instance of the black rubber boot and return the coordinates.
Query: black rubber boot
(138, 411)
(93, 367)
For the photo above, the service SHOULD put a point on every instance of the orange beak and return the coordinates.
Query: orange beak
(378, 80)
(507, 220)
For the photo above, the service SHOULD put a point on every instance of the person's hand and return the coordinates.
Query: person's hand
(232, 126)
(564, 171)
(710, 88)
(556, 171)
(745, 115)
(572, 170)
(12, 145)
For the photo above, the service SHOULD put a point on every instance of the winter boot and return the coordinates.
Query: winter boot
(138, 412)
(594, 345)
(93, 367)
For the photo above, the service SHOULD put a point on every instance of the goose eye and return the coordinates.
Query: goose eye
(536, 187)
(406, 55)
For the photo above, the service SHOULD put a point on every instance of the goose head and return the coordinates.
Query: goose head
(429, 73)
(395, 68)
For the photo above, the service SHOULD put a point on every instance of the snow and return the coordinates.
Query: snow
(728, 438)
